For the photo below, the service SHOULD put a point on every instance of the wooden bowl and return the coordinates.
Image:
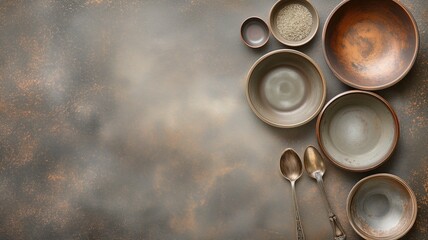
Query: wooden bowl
(357, 130)
(285, 88)
(370, 45)
(381, 207)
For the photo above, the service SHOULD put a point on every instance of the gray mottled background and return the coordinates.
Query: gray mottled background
(128, 120)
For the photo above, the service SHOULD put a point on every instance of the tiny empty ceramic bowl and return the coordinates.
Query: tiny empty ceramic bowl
(285, 88)
(357, 130)
(254, 32)
(381, 207)
(296, 19)
(370, 45)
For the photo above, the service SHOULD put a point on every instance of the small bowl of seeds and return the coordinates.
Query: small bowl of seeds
(293, 22)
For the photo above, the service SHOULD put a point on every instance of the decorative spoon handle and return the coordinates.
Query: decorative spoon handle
(300, 233)
(339, 234)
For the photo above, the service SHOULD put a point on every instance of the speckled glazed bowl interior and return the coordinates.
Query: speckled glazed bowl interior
(357, 130)
(278, 6)
(381, 206)
(370, 45)
(285, 88)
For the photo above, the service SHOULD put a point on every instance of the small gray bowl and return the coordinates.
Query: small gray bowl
(273, 16)
(381, 207)
(254, 32)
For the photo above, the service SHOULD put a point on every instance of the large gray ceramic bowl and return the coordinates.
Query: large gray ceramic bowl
(285, 88)
(381, 207)
(357, 130)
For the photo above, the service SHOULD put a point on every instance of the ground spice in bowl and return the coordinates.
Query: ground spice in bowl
(294, 22)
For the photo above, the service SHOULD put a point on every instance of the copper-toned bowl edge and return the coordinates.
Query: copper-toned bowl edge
(387, 175)
(368, 88)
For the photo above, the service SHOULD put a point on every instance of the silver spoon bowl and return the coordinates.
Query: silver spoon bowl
(292, 168)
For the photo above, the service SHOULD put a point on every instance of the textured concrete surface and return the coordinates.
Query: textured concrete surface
(128, 120)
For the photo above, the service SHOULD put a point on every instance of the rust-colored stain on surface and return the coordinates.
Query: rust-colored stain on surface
(419, 179)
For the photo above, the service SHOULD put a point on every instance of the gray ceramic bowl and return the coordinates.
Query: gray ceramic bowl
(285, 88)
(357, 130)
(381, 207)
(273, 21)
(254, 32)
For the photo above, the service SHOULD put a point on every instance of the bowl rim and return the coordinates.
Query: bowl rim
(379, 87)
(357, 186)
(289, 51)
(385, 157)
(291, 43)
(265, 25)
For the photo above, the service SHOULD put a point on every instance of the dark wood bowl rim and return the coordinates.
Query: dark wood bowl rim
(364, 87)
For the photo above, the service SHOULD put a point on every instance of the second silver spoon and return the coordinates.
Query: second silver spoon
(315, 167)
